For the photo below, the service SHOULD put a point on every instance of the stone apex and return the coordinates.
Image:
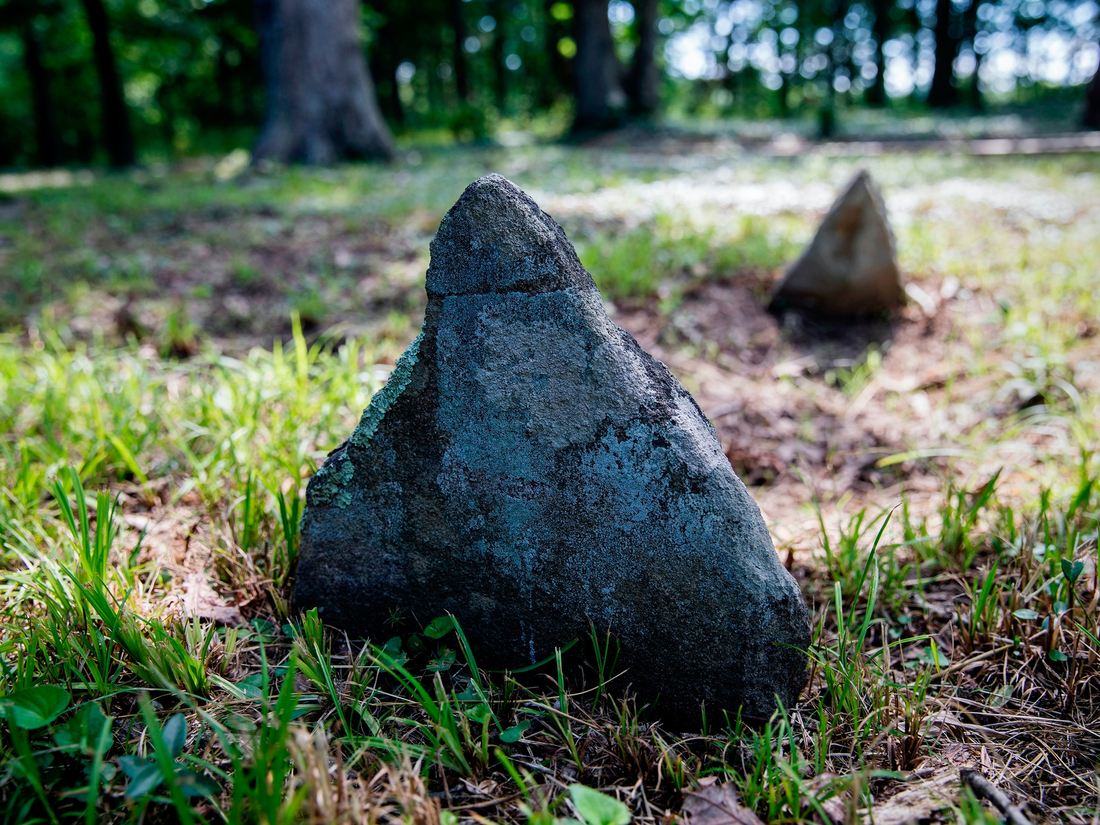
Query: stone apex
(861, 184)
(496, 239)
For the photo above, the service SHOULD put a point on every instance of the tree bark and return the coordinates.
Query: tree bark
(876, 94)
(117, 136)
(596, 71)
(47, 142)
(644, 79)
(320, 99)
(458, 23)
(1091, 116)
(943, 92)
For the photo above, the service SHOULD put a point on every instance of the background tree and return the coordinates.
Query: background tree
(560, 47)
(23, 16)
(1091, 115)
(499, 16)
(457, 19)
(643, 82)
(596, 70)
(942, 93)
(118, 138)
(970, 38)
(880, 9)
(321, 104)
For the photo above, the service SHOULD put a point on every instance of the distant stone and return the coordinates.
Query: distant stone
(529, 468)
(850, 268)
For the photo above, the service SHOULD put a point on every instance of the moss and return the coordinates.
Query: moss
(385, 397)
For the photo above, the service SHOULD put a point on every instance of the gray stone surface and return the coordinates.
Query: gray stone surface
(850, 267)
(528, 467)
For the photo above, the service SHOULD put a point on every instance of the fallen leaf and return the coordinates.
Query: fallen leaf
(718, 805)
(919, 801)
(836, 810)
(200, 599)
(487, 787)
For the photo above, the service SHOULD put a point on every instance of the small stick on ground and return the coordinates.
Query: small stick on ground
(984, 789)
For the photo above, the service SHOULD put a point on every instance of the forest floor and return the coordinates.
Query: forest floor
(185, 345)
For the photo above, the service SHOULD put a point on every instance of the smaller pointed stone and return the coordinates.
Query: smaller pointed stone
(850, 267)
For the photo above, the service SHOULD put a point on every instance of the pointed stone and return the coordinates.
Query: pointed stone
(529, 468)
(850, 267)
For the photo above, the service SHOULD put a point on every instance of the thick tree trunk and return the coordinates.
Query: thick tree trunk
(117, 136)
(644, 79)
(943, 93)
(47, 142)
(1091, 116)
(596, 72)
(876, 94)
(320, 99)
(458, 23)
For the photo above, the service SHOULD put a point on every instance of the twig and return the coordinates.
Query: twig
(973, 660)
(984, 789)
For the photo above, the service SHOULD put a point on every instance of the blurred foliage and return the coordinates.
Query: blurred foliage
(472, 69)
(190, 70)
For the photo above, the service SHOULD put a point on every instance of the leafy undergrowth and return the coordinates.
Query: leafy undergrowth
(151, 672)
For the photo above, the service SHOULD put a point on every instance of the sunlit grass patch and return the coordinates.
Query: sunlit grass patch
(660, 259)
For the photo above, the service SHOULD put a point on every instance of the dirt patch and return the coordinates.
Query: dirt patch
(235, 277)
(800, 407)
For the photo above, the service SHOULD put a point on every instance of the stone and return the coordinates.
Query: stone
(850, 268)
(529, 468)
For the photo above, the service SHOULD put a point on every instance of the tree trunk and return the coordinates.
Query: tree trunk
(500, 11)
(458, 23)
(320, 99)
(117, 136)
(383, 69)
(876, 94)
(561, 68)
(827, 114)
(943, 93)
(596, 73)
(47, 142)
(1091, 118)
(644, 79)
(970, 34)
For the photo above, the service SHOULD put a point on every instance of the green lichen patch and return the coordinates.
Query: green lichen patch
(330, 486)
(384, 398)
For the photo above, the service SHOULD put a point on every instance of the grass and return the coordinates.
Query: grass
(151, 485)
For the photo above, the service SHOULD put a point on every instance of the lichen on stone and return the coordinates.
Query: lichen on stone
(331, 485)
(384, 398)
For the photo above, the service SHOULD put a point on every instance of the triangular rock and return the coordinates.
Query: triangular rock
(850, 267)
(529, 468)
